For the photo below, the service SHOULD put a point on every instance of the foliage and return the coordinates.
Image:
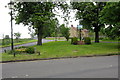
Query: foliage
(88, 15)
(13, 51)
(6, 40)
(17, 35)
(6, 37)
(30, 50)
(22, 49)
(74, 40)
(32, 34)
(110, 16)
(51, 30)
(111, 32)
(65, 31)
(87, 40)
(110, 13)
(39, 15)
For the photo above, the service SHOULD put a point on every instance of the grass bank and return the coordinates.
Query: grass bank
(55, 38)
(65, 49)
(21, 41)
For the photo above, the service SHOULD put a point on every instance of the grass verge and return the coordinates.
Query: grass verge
(22, 42)
(54, 38)
(65, 49)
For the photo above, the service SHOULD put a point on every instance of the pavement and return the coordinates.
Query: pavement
(27, 44)
(82, 67)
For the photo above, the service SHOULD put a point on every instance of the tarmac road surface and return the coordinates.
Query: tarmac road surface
(82, 67)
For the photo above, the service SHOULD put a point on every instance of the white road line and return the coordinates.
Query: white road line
(14, 77)
(26, 75)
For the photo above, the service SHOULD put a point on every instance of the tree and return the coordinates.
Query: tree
(32, 35)
(88, 14)
(65, 31)
(36, 15)
(17, 35)
(111, 17)
(7, 37)
(5, 40)
(52, 29)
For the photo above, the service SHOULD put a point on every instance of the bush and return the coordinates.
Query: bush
(101, 38)
(13, 51)
(30, 50)
(74, 40)
(87, 40)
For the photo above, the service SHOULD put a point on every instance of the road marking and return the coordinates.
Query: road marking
(26, 75)
(14, 77)
(111, 65)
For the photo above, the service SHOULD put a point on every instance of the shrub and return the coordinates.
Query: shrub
(101, 38)
(87, 40)
(12, 52)
(74, 40)
(21, 49)
(30, 50)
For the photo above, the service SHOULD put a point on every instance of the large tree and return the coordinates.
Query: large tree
(37, 15)
(110, 15)
(88, 14)
(64, 31)
(34, 14)
(51, 29)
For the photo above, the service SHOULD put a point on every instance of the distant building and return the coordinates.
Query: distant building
(74, 32)
(85, 33)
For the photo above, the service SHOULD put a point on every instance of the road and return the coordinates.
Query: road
(82, 67)
(27, 44)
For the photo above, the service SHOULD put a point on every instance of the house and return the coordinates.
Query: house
(74, 32)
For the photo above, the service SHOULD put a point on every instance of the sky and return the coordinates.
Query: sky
(5, 26)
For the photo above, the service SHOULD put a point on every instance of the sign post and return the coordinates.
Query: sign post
(79, 28)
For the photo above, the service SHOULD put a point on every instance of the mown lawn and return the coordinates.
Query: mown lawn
(64, 48)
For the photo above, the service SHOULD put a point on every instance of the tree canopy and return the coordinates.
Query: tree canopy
(110, 16)
(88, 13)
(65, 31)
(17, 35)
(37, 15)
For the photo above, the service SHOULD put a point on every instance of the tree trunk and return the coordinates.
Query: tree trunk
(96, 30)
(39, 35)
(96, 36)
(67, 39)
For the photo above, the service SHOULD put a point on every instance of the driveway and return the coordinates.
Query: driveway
(82, 67)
